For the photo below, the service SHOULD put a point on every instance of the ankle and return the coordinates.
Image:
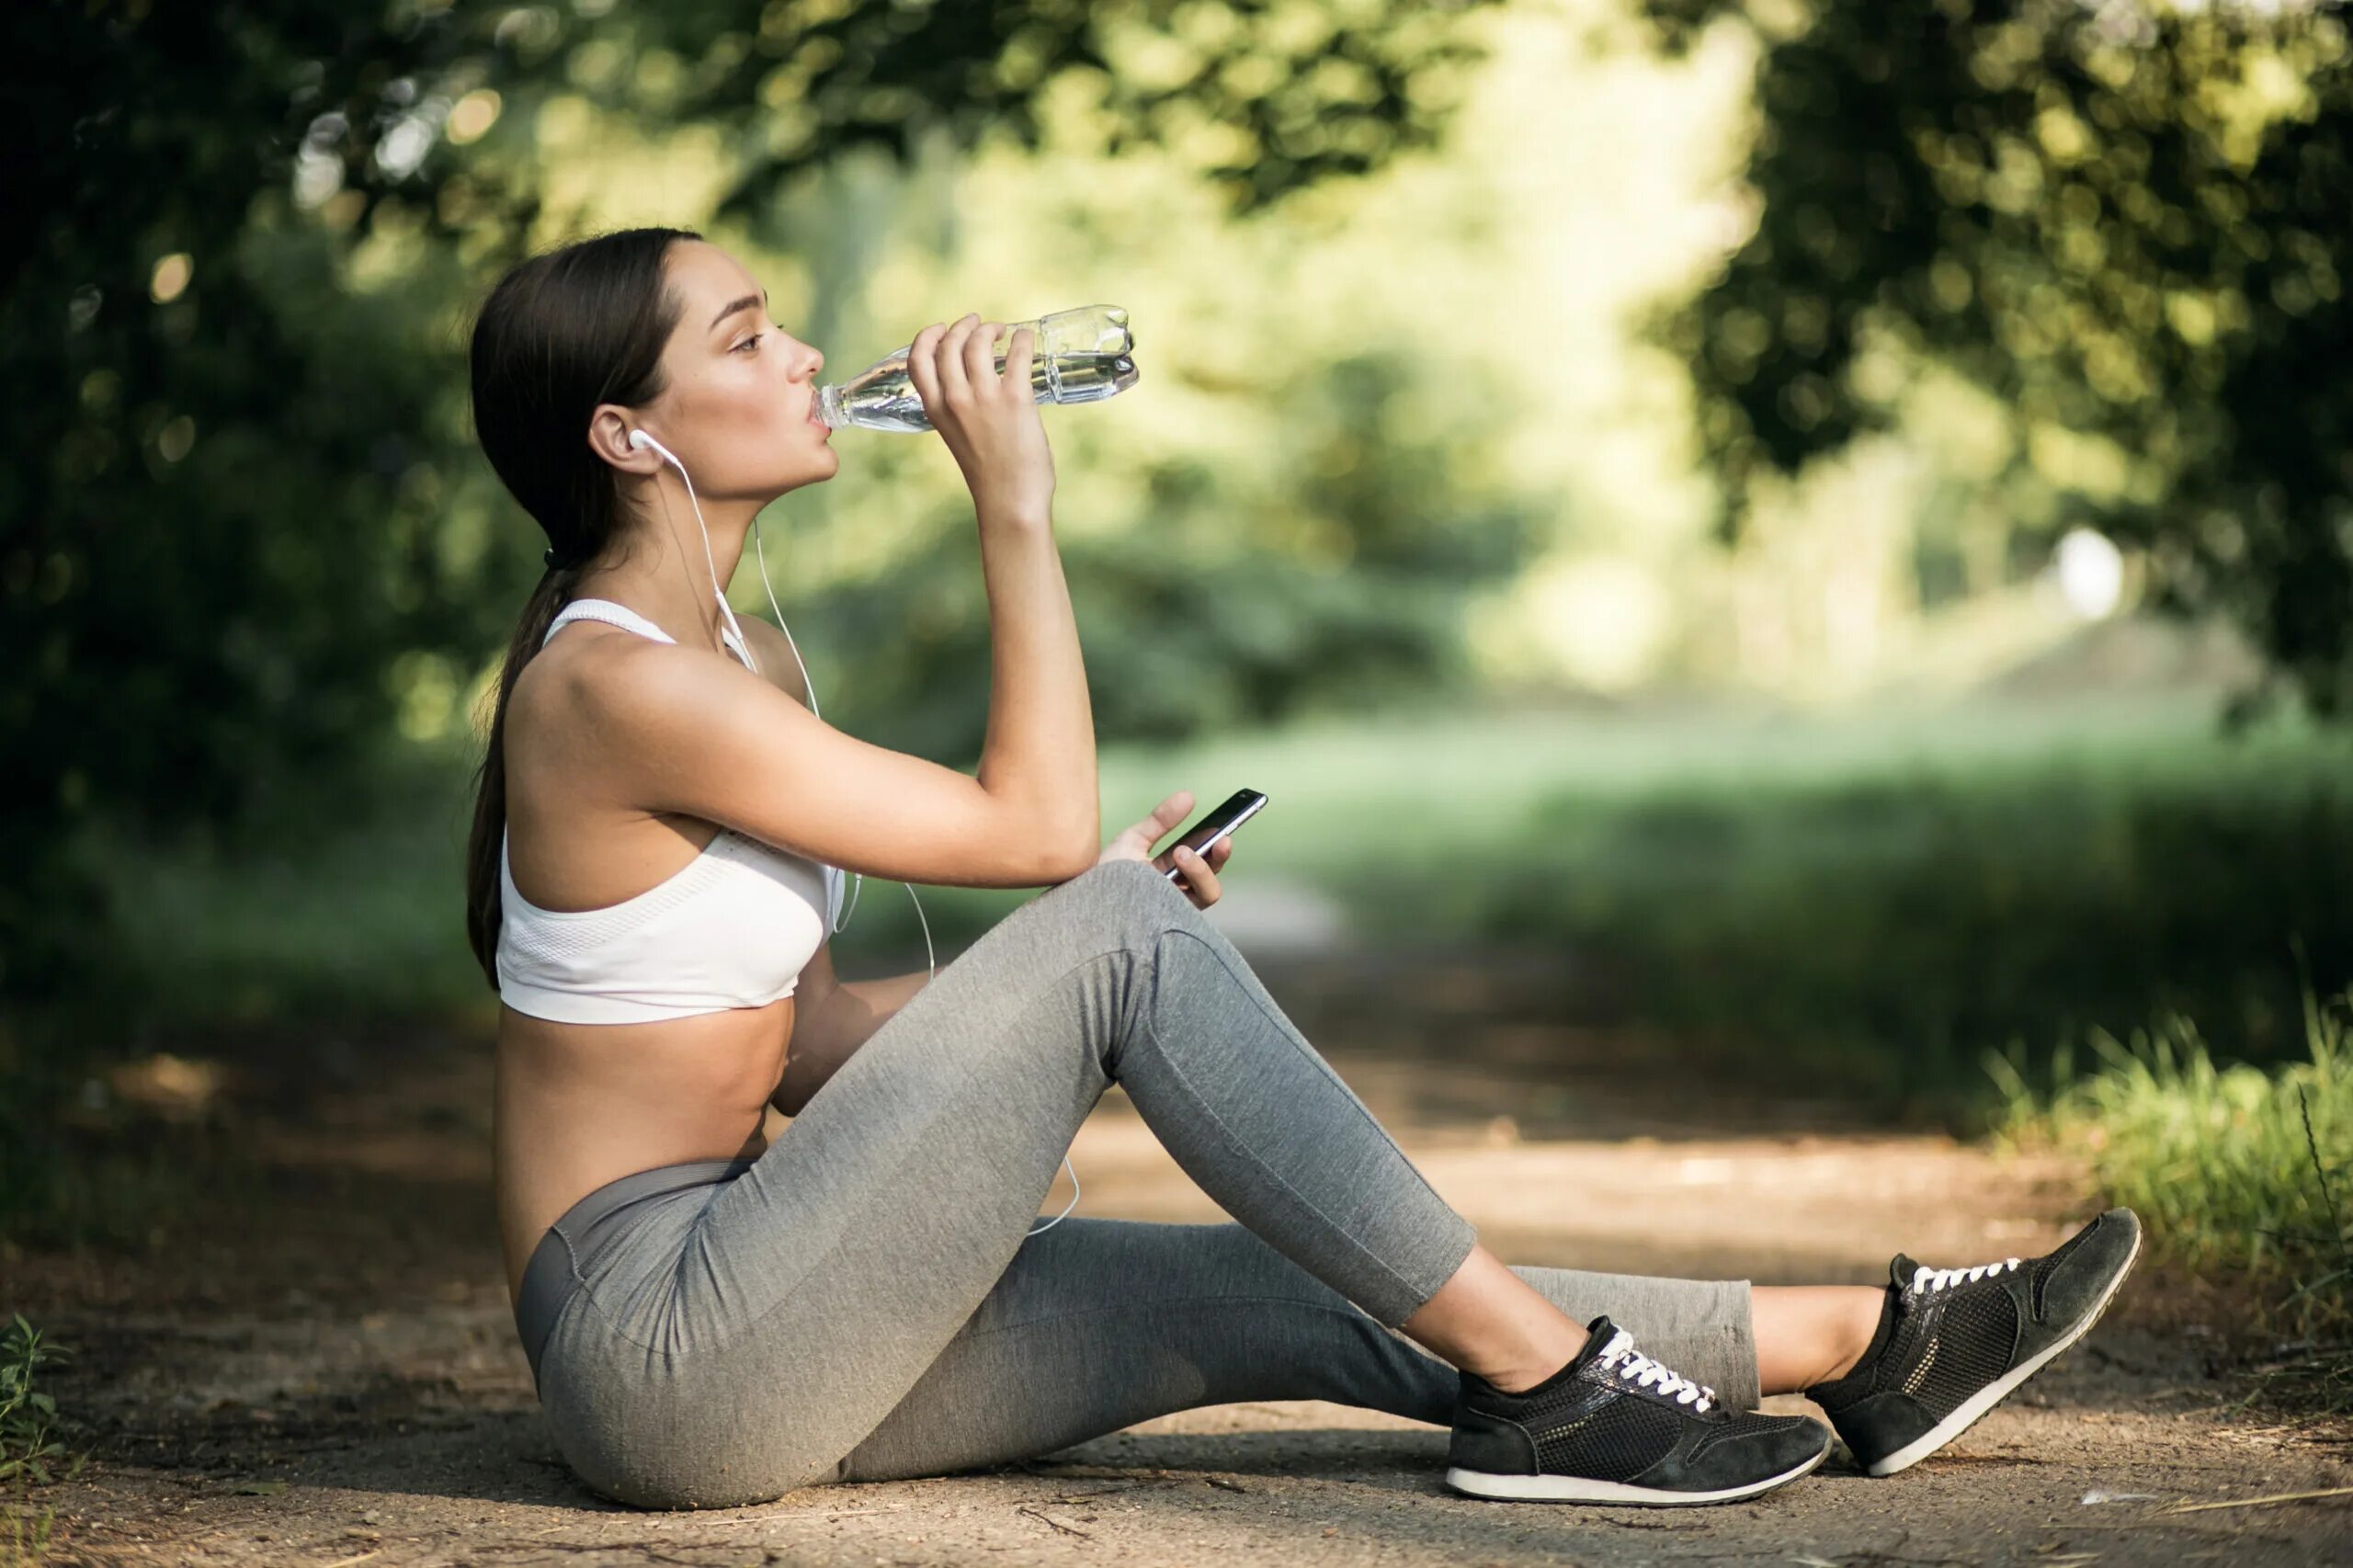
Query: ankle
(1520, 1378)
(1858, 1333)
(1532, 1365)
(1848, 1358)
(1494, 1325)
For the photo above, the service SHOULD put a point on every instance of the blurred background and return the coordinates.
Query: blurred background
(1825, 526)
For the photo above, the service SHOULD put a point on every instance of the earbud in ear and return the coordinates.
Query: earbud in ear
(639, 440)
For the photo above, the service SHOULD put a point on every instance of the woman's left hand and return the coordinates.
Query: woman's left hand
(1197, 876)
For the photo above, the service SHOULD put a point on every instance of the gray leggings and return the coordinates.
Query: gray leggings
(860, 1300)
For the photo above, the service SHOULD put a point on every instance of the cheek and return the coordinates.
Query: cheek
(767, 392)
(742, 399)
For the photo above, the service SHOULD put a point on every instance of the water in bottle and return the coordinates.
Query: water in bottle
(1080, 356)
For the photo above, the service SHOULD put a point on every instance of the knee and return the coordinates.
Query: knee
(1127, 897)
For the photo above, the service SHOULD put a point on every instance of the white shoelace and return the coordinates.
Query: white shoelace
(1635, 1366)
(1927, 1279)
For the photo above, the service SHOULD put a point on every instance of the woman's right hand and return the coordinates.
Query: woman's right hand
(989, 420)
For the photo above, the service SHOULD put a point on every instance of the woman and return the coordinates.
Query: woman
(715, 1319)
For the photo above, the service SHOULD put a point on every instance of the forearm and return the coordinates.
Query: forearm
(832, 1030)
(1040, 747)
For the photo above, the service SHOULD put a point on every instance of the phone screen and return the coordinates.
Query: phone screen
(1210, 826)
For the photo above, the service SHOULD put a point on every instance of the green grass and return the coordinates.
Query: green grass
(1879, 898)
(2236, 1169)
(2231, 1165)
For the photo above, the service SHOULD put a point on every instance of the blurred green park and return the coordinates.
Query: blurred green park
(1835, 519)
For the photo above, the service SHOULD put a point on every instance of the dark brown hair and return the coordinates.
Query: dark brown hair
(560, 333)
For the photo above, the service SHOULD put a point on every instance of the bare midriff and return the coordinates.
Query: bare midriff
(577, 1106)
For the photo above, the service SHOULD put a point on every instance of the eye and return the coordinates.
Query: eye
(750, 341)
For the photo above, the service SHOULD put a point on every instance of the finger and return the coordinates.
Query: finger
(1019, 355)
(1220, 850)
(950, 359)
(920, 367)
(980, 355)
(1198, 875)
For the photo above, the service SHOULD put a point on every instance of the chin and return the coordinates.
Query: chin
(817, 475)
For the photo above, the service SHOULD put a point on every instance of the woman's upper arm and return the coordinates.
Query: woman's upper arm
(695, 732)
(779, 665)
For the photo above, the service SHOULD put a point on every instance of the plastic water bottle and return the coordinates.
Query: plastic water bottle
(1081, 356)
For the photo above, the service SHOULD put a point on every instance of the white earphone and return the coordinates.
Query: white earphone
(641, 442)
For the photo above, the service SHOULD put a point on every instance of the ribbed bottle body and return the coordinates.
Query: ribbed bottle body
(1079, 356)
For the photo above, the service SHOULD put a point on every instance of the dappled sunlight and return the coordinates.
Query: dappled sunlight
(1785, 568)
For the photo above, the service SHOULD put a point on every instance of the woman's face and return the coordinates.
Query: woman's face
(740, 403)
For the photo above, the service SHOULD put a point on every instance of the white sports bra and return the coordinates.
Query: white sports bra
(733, 928)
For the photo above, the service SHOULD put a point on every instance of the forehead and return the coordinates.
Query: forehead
(702, 273)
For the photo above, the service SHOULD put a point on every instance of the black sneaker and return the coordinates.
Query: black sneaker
(1952, 1342)
(1615, 1426)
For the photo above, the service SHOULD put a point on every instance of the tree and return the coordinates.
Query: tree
(225, 454)
(2129, 223)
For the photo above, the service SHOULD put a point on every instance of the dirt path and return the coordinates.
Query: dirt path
(325, 1373)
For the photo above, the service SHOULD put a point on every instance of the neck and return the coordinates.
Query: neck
(662, 571)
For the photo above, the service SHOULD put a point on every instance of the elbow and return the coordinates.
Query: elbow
(1055, 846)
(1077, 849)
(1073, 861)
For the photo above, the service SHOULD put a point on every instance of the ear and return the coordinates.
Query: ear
(609, 429)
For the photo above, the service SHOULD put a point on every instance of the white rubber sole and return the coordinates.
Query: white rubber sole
(1993, 1394)
(1576, 1489)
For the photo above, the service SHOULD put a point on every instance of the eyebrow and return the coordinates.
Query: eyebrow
(745, 303)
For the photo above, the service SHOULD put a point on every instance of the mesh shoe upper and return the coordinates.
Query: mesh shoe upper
(1951, 1345)
(1613, 1415)
(1947, 1334)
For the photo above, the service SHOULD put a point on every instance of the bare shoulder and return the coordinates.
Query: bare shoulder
(559, 675)
(774, 651)
(576, 700)
(554, 679)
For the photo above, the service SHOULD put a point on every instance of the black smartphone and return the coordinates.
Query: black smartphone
(1229, 814)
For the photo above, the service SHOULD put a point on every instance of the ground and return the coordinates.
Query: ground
(324, 1372)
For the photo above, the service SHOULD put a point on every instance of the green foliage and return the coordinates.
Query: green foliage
(1300, 94)
(1887, 919)
(211, 541)
(1360, 594)
(2127, 222)
(2233, 1168)
(1871, 904)
(243, 510)
(1873, 901)
(28, 1443)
